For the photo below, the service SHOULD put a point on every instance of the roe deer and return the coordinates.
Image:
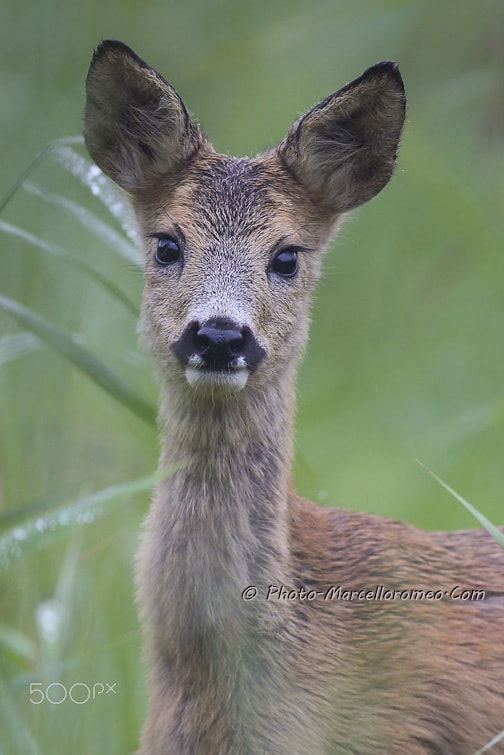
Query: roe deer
(251, 645)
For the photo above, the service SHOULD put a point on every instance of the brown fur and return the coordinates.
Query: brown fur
(231, 676)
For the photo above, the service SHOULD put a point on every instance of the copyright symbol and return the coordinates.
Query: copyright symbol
(249, 593)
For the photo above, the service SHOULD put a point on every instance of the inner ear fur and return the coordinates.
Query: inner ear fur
(135, 123)
(344, 150)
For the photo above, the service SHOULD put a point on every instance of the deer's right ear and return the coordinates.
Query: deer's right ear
(344, 150)
(135, 124)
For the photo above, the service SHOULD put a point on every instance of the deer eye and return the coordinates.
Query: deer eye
(285, 263)
(167, 251)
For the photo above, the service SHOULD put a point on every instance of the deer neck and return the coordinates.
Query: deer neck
(222, 516)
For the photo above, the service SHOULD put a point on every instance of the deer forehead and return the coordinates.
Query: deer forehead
(221, 203)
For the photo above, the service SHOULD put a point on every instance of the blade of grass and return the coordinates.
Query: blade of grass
(91, 176)
(17, 643)
(109, 285)
(490, 744)
(16, 345)
(14, 730)
(66, 345)
(40, 531)
(90, 221)
(33, 164)
(34, 508)
(486, 523)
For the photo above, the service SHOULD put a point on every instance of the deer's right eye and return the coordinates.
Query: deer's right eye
(167, 251)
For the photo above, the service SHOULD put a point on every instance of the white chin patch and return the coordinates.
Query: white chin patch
(230, 380)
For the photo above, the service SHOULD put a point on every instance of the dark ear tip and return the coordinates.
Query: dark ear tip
(386, 68)
(110, 48)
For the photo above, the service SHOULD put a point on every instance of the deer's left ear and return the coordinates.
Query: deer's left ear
(344, 150)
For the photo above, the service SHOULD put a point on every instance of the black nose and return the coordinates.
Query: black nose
(219, 342)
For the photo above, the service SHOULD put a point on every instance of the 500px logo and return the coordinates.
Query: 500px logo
(79, 693)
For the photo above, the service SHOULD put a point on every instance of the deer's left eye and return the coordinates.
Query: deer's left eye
(167, 251)
(285, 262)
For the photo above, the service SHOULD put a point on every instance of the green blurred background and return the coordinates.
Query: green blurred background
(405, 360)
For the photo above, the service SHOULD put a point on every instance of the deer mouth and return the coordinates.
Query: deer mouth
(231, 375)
(218, 354)
(229, 379)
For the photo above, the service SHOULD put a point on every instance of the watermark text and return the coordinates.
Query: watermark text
(375, 593)
(78, 693)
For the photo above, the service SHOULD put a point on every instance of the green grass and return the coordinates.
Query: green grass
(405, 359)
(72, 650)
